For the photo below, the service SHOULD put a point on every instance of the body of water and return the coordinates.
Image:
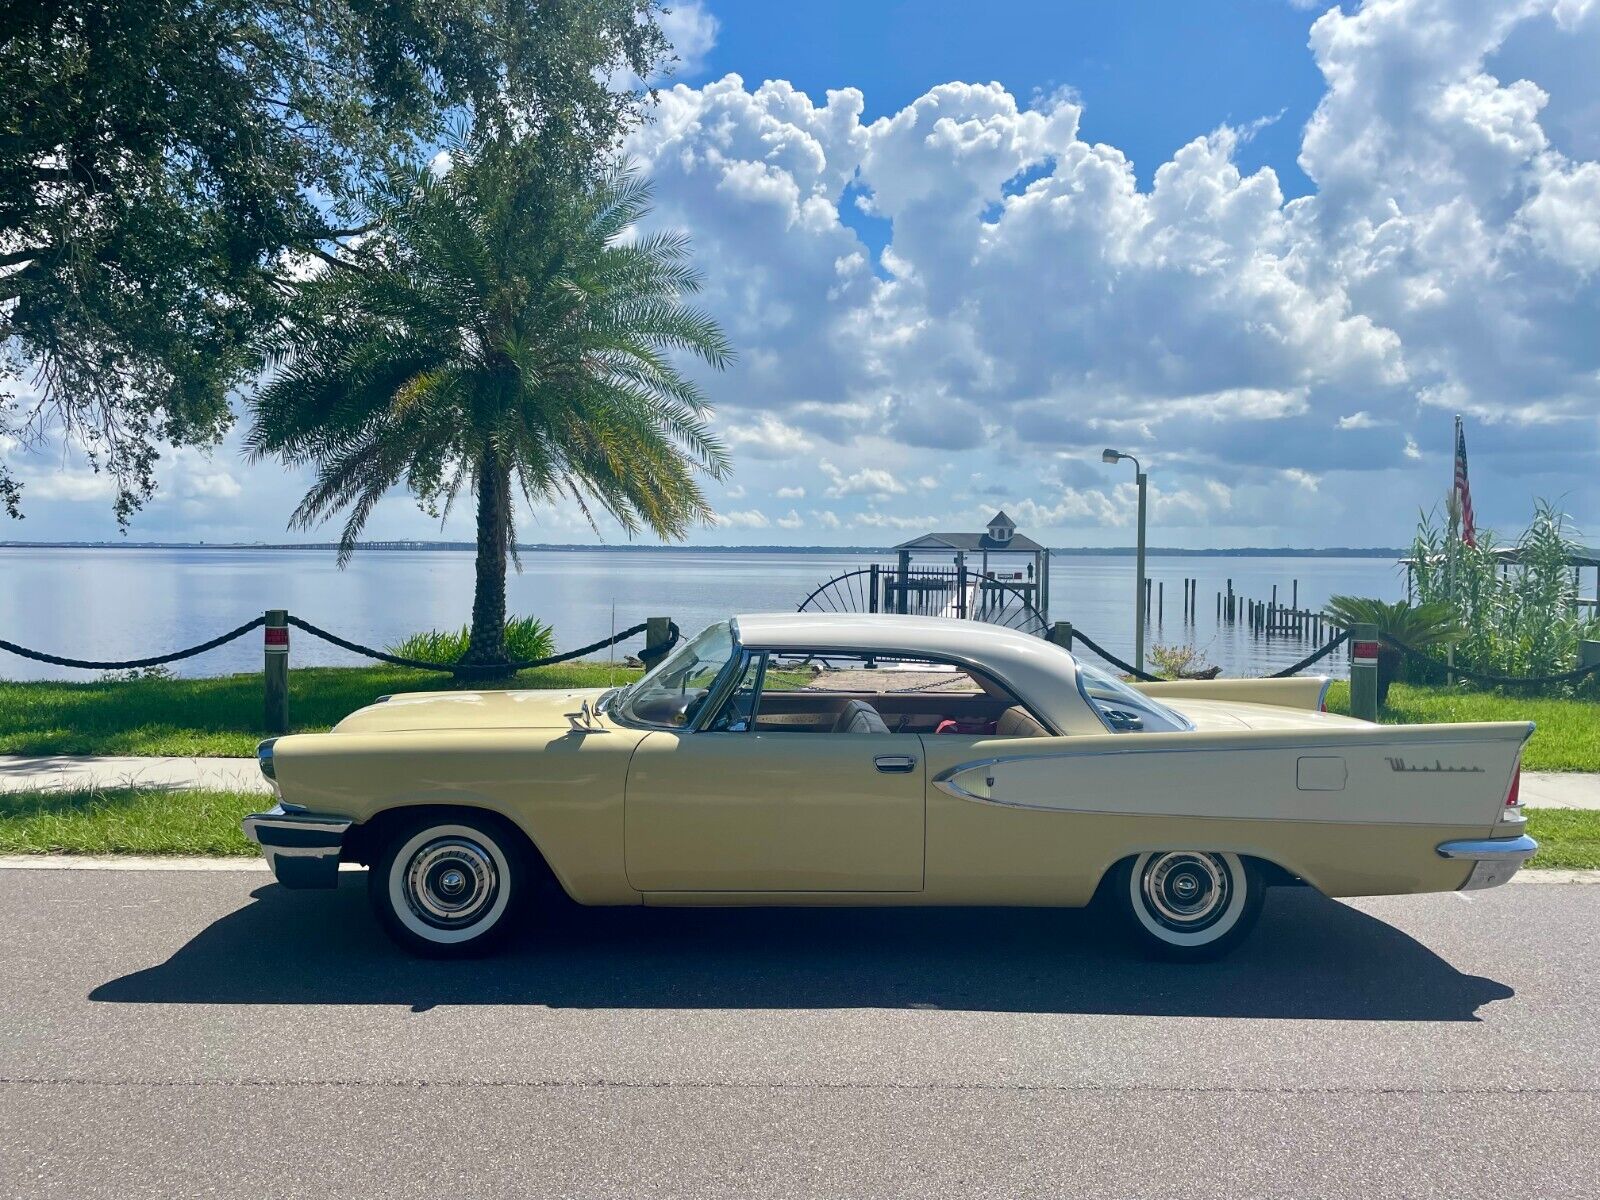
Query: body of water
(131, 603)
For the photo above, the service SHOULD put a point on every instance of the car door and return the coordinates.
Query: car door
(748, 810)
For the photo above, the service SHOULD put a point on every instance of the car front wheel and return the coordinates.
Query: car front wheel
(1189, 905)
(448, 887)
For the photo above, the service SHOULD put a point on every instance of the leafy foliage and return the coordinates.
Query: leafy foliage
(1183, 661)
(167, 167)
(525, 638)
(1519, 613)
(1420, 626)
(501, 326)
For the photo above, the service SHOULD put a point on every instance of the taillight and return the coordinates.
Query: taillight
(1513, 797)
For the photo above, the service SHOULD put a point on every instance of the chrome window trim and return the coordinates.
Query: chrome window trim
(616, 714)
(745, 657)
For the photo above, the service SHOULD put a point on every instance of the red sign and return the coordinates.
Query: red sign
(277, 637)
(1366, 651)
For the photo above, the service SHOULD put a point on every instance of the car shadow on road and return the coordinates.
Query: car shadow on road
(1310, 958)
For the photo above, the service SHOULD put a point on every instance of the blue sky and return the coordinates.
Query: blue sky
(1135, 66)
(1271, 248)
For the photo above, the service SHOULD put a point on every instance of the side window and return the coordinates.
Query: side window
(829, 692)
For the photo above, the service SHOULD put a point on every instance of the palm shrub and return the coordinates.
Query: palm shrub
(525, 638)
(1420, 626)
(1519, 614)
(504, 331)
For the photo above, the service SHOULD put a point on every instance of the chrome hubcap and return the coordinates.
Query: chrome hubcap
(451, 881)
(1185, 890)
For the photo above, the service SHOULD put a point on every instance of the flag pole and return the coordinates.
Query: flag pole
(1454, 508)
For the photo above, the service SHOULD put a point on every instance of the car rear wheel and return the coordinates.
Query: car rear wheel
(1189, 905)
(448, 887)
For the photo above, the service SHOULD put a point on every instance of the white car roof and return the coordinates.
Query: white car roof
(1042, 674)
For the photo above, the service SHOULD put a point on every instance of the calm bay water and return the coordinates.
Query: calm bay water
(130, 603)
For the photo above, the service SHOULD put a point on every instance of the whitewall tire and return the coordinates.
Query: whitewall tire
(1189, 905)
(448, 887)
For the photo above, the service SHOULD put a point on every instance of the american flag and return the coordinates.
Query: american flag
(1463, 490)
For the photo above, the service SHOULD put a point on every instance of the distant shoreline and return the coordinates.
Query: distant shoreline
(529, 548)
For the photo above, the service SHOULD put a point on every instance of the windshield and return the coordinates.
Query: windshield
(670, 697)
(1123, 709)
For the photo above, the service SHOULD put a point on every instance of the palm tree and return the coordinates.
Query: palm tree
(502, 328)
(1419, 626)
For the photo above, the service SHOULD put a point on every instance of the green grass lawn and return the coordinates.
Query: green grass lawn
(127, 821)
(154, 821)
(218, 716)
(1568, 737)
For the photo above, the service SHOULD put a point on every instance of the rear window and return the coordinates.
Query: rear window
(1124, 709)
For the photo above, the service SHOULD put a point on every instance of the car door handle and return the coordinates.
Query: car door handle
(895, 764)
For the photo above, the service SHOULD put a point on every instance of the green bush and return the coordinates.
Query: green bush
(526, 637)
(1518, 617)
(1420, 626)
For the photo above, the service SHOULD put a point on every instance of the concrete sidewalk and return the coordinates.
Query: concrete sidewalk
(81, 772)
(1540, 789)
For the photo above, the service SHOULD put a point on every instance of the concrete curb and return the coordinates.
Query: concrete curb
(152, 862)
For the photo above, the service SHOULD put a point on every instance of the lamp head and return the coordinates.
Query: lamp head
(1111, 456)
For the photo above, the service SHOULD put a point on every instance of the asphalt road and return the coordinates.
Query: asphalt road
(168, 1033)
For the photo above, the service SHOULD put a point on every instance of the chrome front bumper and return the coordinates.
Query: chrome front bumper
(1494, 860)
(302, 848)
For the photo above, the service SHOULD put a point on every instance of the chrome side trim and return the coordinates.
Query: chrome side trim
(300, 847)
(1517, 849)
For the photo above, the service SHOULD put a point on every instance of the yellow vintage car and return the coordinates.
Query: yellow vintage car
(820, 759)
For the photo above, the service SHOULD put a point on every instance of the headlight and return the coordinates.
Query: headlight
(264, 759)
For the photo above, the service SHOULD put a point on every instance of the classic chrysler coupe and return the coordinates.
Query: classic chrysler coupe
(810, 759)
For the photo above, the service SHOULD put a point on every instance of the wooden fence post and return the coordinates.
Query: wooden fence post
(275, 671)
(1061, 634)
(1364, 672)
(657, 632)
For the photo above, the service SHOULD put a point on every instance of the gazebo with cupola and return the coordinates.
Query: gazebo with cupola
(997, 575)
(1002, 556)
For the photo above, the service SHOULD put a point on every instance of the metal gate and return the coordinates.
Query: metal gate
(928, 592)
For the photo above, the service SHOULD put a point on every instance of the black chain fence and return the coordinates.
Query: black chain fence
(1145, 676)
(1571, 676)
(354, 647)
(132, 663)
(505, 668)
(673, 635)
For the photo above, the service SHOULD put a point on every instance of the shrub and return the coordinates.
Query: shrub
(1518, 617)
(526, 637)
(1178, 661)
(1420, 626)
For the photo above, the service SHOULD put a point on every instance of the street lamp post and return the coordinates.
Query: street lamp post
(1116, 456)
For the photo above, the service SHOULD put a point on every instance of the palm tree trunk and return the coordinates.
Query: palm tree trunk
(487, 643)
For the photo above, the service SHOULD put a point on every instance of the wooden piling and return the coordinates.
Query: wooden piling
(656, 634)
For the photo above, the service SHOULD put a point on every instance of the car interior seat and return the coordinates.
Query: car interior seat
(857, 716)
(1017, 721)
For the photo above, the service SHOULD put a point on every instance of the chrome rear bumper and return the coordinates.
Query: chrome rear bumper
(302, 848)
(1494, 860)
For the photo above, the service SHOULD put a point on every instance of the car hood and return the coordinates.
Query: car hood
(1221, 715)
(532, 709)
